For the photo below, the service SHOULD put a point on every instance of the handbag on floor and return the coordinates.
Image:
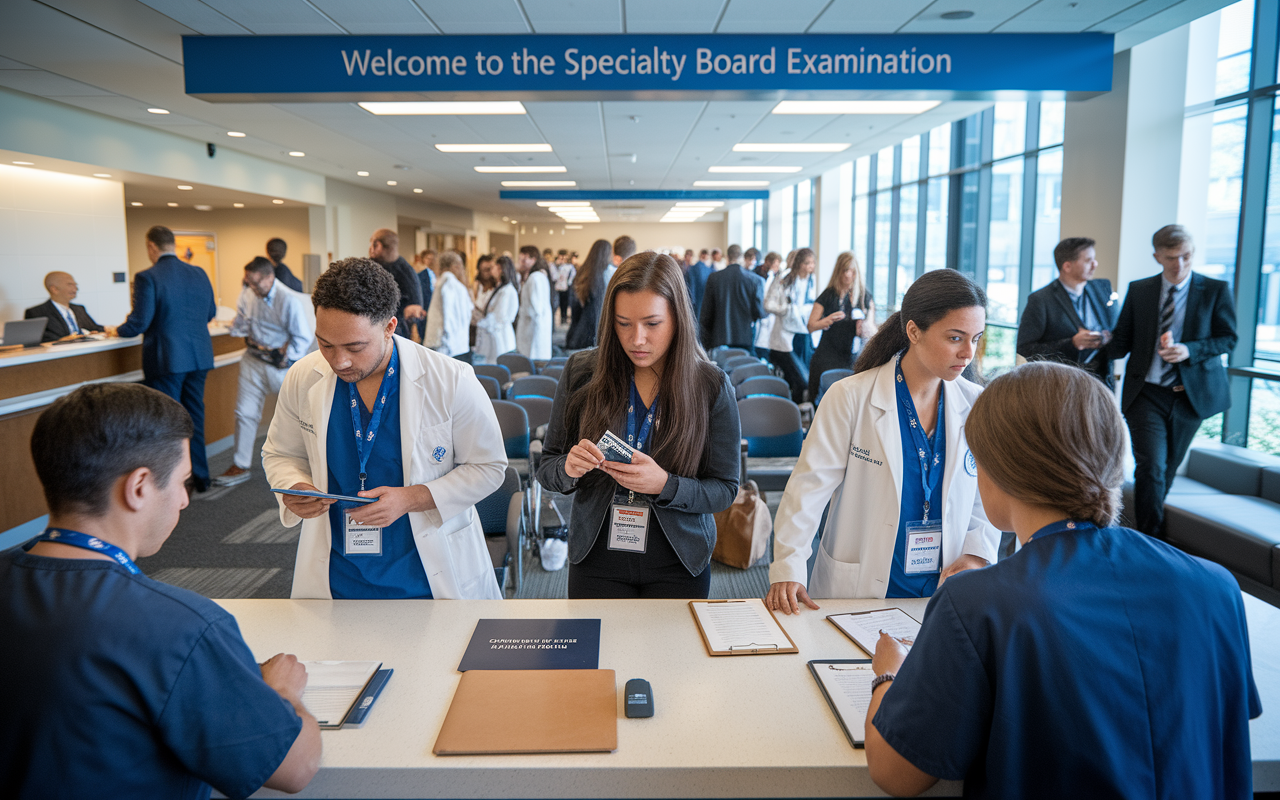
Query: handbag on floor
(742, 529)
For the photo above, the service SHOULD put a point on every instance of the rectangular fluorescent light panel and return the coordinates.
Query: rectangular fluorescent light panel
(455, 107)
(494, 148)
(854, 106)
(699, 203)
(755, 170)
(563, 203)
(515, 184)
(518, 170)
(725, 184)
(792, 147)
(573, 227)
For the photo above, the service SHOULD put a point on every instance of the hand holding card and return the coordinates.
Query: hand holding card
(614, 449)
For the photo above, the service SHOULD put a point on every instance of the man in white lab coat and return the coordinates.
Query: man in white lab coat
(375, 415)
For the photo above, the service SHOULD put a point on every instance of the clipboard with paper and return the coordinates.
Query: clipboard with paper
(740, 628)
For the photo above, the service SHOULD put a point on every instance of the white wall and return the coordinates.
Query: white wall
(353, 213)
(50, 221)
(648, 235)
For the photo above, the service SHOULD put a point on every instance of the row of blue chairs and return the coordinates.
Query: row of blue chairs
(526, 386)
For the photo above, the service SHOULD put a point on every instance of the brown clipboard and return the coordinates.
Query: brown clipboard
(501, 712)
(744, 651)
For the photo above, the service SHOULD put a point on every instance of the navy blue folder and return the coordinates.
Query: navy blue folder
(533, 644)
(360, 711)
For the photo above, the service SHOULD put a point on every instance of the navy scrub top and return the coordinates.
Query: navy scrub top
(397, 573)
(1091, 663)
(900, 583)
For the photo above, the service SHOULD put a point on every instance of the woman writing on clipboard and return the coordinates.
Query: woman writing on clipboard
(887, 449)
(644, 528)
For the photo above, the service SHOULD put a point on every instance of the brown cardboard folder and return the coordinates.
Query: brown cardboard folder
(531, 711)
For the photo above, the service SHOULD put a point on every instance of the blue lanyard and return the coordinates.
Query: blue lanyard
(86, 542)
(375, 421)
(930, 473)
(638, 440)
(1064, 525)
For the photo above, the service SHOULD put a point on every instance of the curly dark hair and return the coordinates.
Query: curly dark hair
(358, 286)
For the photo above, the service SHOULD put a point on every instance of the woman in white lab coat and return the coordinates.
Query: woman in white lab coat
(790, 299)
(887, 449)
(449, 318)
(495, 320)
(533, 323)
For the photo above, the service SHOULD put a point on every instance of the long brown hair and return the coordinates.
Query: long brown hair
(794, 259)
(858, 289)
(590, 278)
(687, 387)
(928, 299)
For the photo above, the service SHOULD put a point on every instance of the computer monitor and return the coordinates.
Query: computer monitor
(26, 332)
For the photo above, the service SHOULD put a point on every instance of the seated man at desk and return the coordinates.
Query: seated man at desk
(379, 416)
(119, 685)
(66, 319)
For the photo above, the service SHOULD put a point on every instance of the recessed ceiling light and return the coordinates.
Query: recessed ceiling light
(237, 205)
(513, 222)
(539, 183)
(417, 191)
(157, 111)
(556, 207)
(363, 174)
(236, 134)
(730, 183)
(278, 202)
(854, 106)
(102, 174)
(297, 153)
(792, 147)
(957, 15)
(494, 148)
(573, 227)
(697, 203)
(172, 205)
(25, 163)
(204, 208)
(513, 170)
(446, 107)
(563, 203)
(664, 219)
(136, 204)
(185, 188)
(758, 170)
(391, 183)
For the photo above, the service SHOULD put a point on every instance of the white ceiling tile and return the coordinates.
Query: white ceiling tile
(866, 16)
(988, 15)
(1065, 16)
(197, 16)
(1165, 20)
(278, 16)
(475, 16)
(131, 21)
(8, 63)
(1124, 17)
(377, 16)
(770, 16)
(46, 84)
(668, 16)
(575, 16)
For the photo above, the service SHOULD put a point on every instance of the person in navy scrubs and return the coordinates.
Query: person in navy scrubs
(1094, 662)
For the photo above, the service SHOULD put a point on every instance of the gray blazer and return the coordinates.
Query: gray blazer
(685, 506)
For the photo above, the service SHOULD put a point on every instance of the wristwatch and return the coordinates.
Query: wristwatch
(879, 679)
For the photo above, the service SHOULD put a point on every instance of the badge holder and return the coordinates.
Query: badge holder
(628, 525)
(924, 547)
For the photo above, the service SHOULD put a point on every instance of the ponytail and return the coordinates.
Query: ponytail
(930, 298)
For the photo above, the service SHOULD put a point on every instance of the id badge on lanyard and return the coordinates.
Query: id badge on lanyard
(361, 540)
(924, 547)
(629, 519)
(924, 537)
(366, 540)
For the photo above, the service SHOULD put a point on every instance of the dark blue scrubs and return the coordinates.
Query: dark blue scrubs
(1091, 663)
(398, 572)
(900, 583)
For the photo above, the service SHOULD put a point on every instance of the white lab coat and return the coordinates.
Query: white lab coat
(495, 331)
(450, 441)
(449, 318)
(764, 327)
(533, 323)
(790, 311)
(852, 456)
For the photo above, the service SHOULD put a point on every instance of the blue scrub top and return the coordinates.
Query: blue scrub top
(900, 583)
(398, 572)
(1091, 663)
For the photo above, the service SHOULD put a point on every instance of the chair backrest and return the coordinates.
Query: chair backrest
(829, 377)
(514, 423)
(552, 371)
(723, 354)
(739, 361)
(491, 386)
(771, 426)
(492, 510)
(532, 386)
(753, 370)
(517, 362)
(496, 371)
(763, 384)
(538, 410)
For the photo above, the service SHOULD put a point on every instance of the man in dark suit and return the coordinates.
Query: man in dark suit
(695, 279)
(384, 248)
(65, 318)
(733, 302)
(276, 248)
(1174, 327)
(172, 305)
(1070, 319)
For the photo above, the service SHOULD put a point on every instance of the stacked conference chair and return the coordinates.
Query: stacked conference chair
(496, 371)
(745, 372)
(504, 520)
(763, 385)
(826, 379)
(773, 433)
(491, 386)
(532, 386)
(518, 364)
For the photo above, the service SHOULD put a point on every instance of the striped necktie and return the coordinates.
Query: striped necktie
(1168, 373)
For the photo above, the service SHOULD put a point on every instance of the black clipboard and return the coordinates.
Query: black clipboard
(813, 670)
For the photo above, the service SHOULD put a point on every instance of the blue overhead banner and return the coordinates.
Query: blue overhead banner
(643, 66)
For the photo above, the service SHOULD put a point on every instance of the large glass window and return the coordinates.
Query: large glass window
(908, 211)
(1004, 241)
(1235, 40)
(804, 214)
(940, 149)
(1009, 135)
(880, 270)
(935, 224)
(786, 200)
(1226, 179)
(1048, 222)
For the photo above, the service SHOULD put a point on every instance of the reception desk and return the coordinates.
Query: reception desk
(737, 726)
(31, 379)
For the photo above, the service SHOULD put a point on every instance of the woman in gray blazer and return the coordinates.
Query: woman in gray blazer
(644, 528)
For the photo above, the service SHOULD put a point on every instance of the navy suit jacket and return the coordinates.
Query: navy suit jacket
(57, 326)
(1208, 331)
(1050, 320)
(696, 282)
(734, 300)
(172, 305)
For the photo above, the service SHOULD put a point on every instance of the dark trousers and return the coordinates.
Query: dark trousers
(188, 389)
(564, 307)
(614, 574)
(1162, 424)
(794, 371)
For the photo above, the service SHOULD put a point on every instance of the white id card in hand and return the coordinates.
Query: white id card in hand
(629, 528)
(924, 547)
(361, 540)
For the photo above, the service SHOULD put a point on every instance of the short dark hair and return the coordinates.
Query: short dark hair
(733, 253)
(86, 441)
(260, 265)
(1171, 236)
(160, 236)
(752, 254)
(624, 247)
(358, 286)
(531, 251)
(276, 248)
(1070, 249)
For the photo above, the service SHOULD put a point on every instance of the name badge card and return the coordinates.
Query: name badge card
(629, 528)
(924, 547)
(362, 540)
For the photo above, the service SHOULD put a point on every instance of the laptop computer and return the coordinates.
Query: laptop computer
(26, 332)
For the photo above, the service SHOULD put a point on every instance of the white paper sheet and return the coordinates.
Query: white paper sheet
(740, 625)
(865, 628)
(334, 686)
(848, 687)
